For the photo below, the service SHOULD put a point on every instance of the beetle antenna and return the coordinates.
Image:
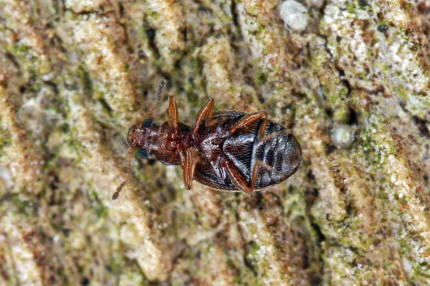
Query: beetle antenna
(160, 89)
(158, 95)
(161, 86)
(129, 174)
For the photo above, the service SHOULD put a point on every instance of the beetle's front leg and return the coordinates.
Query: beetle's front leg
(189, 161)
(173, 113)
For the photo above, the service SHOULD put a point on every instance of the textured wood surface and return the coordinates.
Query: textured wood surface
(350, 80)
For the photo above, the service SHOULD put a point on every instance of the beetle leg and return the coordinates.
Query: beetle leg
(190, 160)
(237, 178)
(255, 173)
(250, 118)
(173, 112)
(259, 164)
(205, 114)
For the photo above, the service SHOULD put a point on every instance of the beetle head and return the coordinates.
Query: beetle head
(138, 134)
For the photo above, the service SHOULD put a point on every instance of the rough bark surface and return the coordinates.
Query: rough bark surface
(350, 79)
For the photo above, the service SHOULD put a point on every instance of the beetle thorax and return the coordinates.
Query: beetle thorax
(169, 143)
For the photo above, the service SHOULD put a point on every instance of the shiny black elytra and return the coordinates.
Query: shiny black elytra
(224, 150)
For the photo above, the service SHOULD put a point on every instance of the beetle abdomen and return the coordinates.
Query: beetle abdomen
(280, 157)
(279, 153)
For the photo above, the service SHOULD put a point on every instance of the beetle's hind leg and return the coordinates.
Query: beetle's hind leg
(251, 118)
(258, 164)
(189, 162)
(237, 178)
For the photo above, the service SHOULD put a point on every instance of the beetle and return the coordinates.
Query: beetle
(224, 150)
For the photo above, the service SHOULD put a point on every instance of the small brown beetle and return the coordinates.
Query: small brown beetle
(224, 150)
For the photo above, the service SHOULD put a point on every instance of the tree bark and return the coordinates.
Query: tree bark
(350, 80)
